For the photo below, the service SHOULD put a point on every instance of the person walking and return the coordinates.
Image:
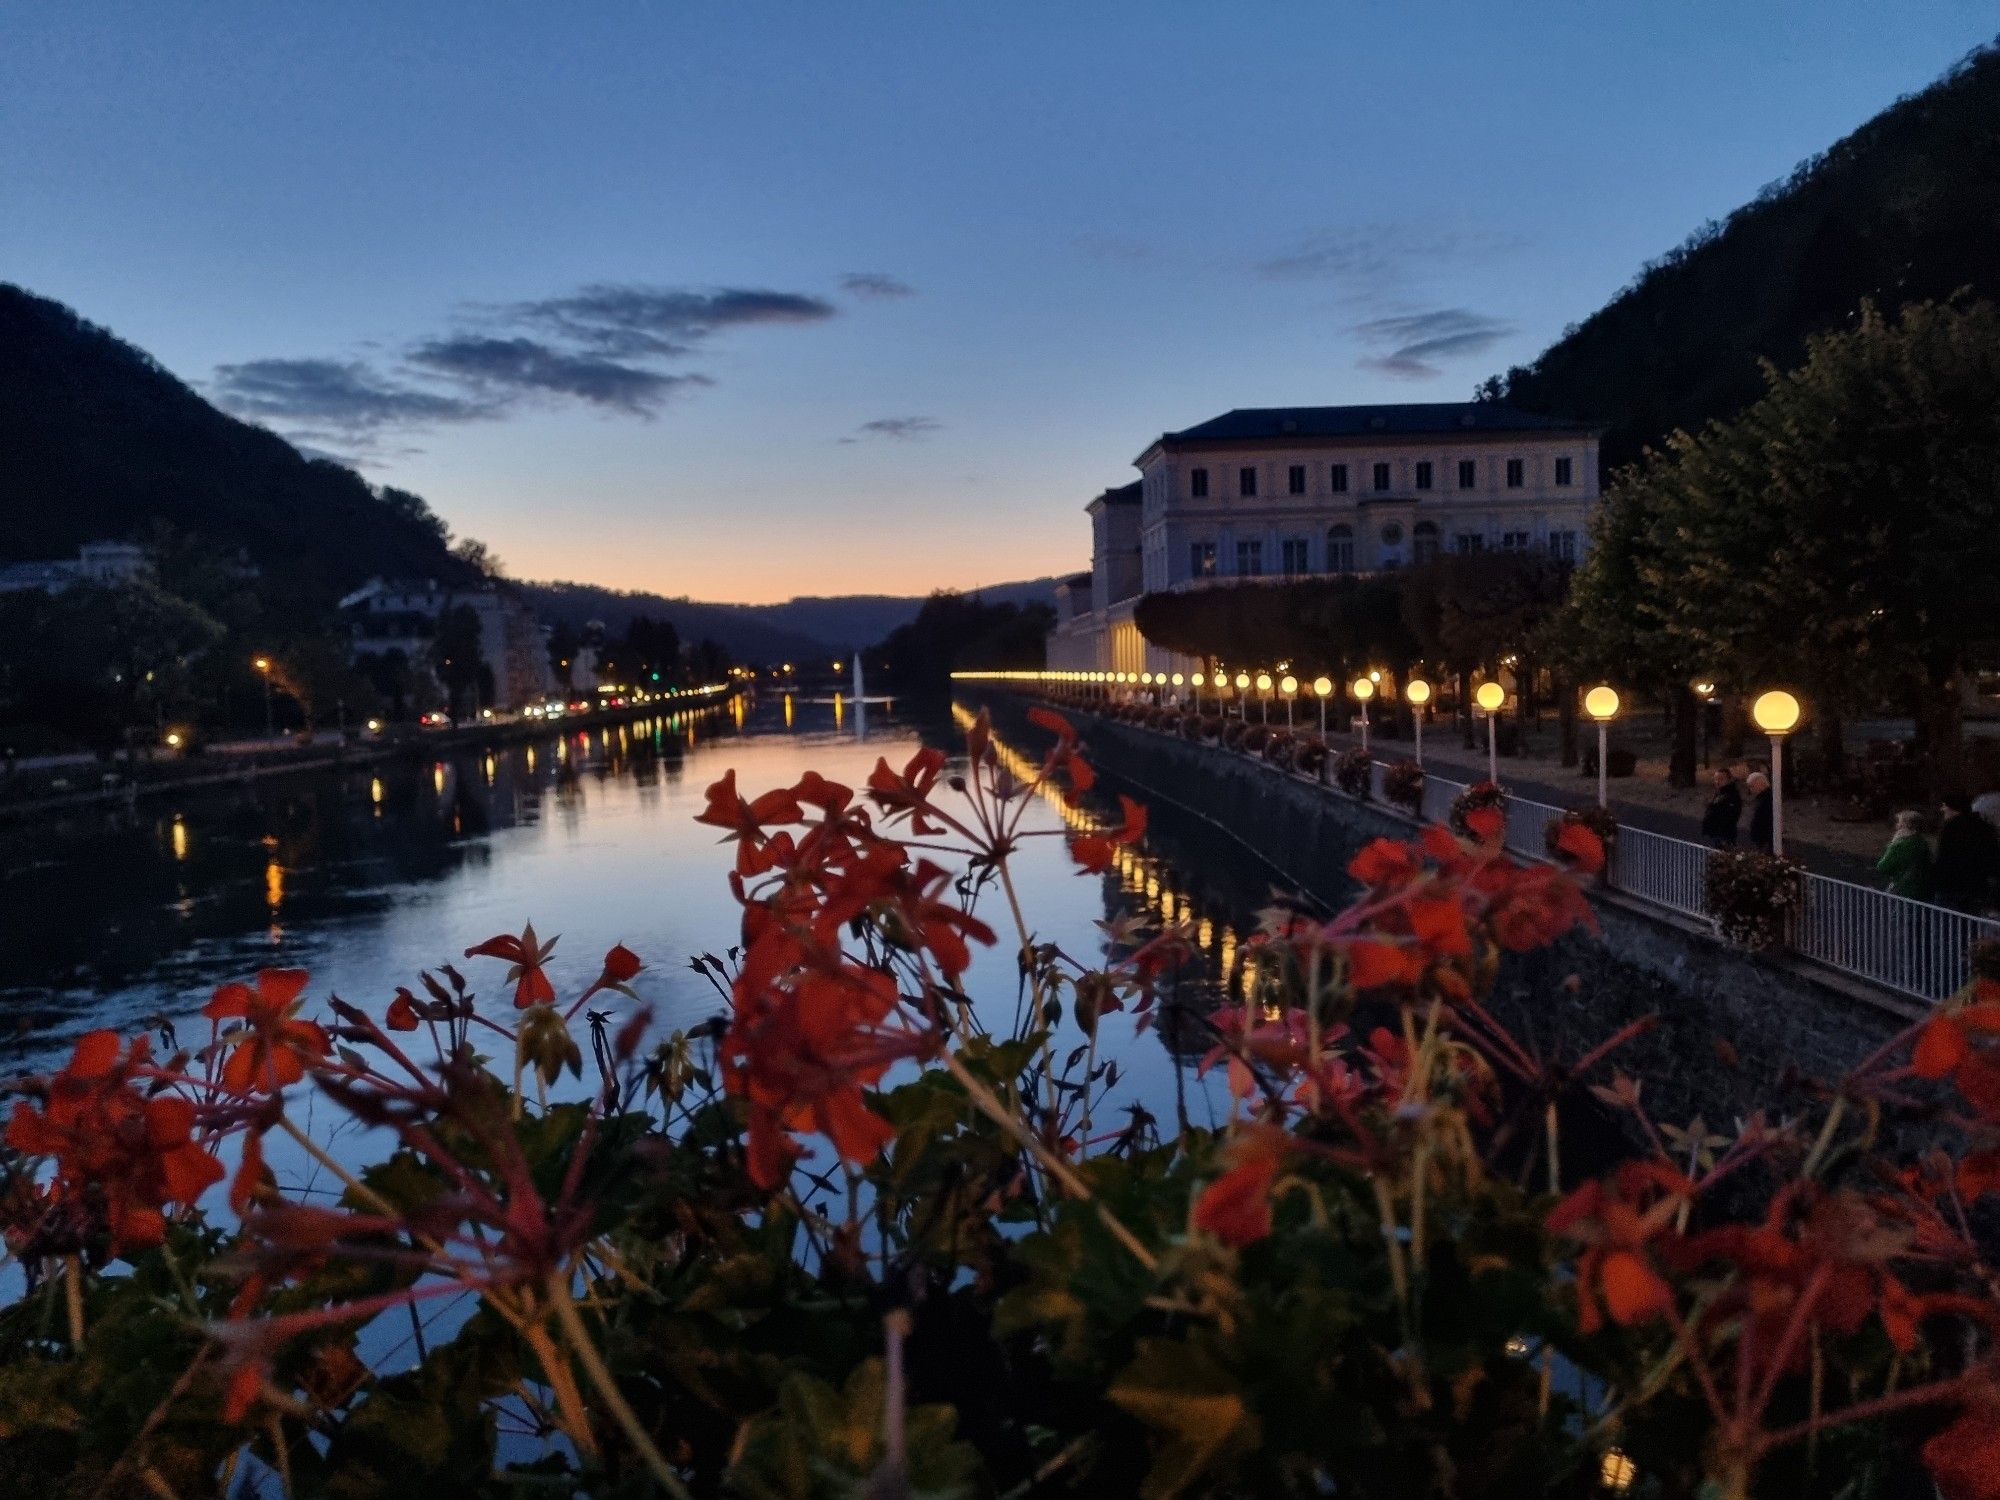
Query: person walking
(1906, 863)
(1724, 810)
(1968, 856)
(1758, 785)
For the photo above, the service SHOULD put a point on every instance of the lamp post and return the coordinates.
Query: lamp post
(1705, 691)
(1322, 686)
(263, 665)
(1289, 686)
(1242, 687)
(1363, 690)
(1601, 703)
(1264, 697)
(1777, 714)
(1491, 698)
(1196, 682)
(1178, 679)
(1419, 693)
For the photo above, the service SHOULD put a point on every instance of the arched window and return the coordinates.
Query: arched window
(1340, 549)
(1424, 541)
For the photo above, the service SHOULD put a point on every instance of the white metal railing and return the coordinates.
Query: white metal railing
(1913, 947)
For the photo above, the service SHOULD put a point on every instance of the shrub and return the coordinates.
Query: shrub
(1403, 785)
(847, 1241)
(1309, 755)
(1255, 738)
(1353, 772)
(1752, 895)
(1278, 747)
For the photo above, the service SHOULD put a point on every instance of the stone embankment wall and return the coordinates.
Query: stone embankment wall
(1736, 1032)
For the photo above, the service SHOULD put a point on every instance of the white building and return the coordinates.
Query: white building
(1288, 492)
(105, 563)
(387, 616)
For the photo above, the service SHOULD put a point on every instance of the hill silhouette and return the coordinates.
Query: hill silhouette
(103, 443)
(1907, 208)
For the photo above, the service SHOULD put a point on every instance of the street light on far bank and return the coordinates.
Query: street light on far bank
(1601, 703)
(1777, 714)
(1322, 689)
(1491, 698)
(1419, 693)
(263, 666)
(1264, 697)
(1288, 685)
(1242, 685)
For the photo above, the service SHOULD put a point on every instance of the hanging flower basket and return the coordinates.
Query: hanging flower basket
(1403, 785)
(1479, 812)
(1309, 755)
(1351, 772)
(1597, 819)
(1752, 896)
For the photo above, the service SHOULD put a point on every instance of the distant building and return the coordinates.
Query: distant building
(387, 616)
(104, 563)
(1268, 494)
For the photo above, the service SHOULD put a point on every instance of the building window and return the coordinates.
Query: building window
(1468, 473)
(1249, 559)
(1392, 535)
(1198, 484)
(1338, 475)
(1514, 473)
(1562, 544)
(1201, 559)
(1515, 541)
(1246, 483)
(1381, 477)
(1468, 541)
(1424, 475)
(1340, 549)
(1295, 479)
(1562, 471)
(1424, 541)
(1292, 553)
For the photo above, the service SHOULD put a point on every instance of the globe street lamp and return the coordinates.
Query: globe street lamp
(1491, 698)
(1777, 714)
(1242, 687)
(1363, 690)
(1197, 681)
(1289, 686)
(1601, 703)
(1322, 686)
(263, 665)
(1264, 697)
(1419, 693)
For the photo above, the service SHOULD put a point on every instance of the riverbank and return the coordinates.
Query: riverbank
(22, 796)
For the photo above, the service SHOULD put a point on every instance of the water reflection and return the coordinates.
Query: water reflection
(108, 917)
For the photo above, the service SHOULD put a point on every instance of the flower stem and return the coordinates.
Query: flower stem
(607, 1387)
(73, 1297)
(562, 1381)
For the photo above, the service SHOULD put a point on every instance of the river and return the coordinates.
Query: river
(130, 918)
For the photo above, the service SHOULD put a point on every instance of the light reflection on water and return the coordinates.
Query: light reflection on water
(366, 877)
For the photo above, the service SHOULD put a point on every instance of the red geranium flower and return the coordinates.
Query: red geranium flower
(1093, 850)
(1236, 1207)
(272, 1048)
(527, 955)
(112, 1144)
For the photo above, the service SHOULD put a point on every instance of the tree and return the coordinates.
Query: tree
(958, 630)
(455, 651)
(1842, 535)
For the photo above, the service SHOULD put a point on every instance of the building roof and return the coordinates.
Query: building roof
(1075, 581)
(1122, 494)
(1410, 419)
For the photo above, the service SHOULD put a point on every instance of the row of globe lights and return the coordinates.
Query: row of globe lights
(1775, 712)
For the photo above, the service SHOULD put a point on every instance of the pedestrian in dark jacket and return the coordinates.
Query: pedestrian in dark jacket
(1724, 810)
(1968, 856)
(1758, 785)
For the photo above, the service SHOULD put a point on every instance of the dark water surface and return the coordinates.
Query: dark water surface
(364, 877)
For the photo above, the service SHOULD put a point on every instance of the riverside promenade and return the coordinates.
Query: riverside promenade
(1911, 952)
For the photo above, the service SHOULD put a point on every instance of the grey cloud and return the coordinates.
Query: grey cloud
(902, 429)
(346, 396)
(1414, 342)
(527, 366)
(875, 285)
(1369, 260)
(626, 321)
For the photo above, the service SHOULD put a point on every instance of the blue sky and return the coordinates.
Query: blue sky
(742, 301)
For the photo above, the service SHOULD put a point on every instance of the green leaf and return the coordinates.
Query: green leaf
(1193, 1405)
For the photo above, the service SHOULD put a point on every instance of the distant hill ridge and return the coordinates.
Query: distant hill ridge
(1907, 208)
(801, 627)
